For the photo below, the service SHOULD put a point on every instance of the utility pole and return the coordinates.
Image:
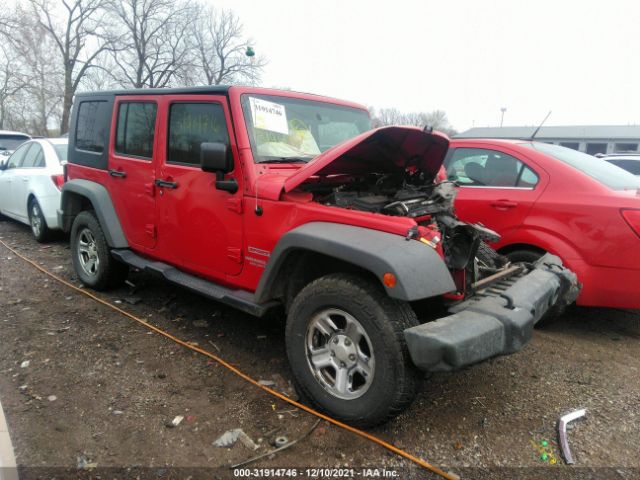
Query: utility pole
(503, 109)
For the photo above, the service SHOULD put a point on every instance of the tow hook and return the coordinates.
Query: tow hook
(562, 433)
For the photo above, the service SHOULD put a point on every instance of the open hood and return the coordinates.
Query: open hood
(383, 150)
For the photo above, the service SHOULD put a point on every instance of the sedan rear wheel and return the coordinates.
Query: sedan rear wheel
(38, 224)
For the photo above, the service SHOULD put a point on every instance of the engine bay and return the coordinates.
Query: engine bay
(430, 204)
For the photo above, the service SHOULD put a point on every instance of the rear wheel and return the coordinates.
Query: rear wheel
(38, 224)
(92, 259)
(346, 348)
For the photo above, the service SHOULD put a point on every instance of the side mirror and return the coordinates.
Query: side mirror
(214, 158)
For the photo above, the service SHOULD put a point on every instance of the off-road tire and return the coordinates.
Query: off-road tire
(42, 233)
(395, 379)
(109, 273)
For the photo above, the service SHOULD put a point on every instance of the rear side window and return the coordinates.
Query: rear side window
(34, 157)
(191, 124)
(16, 159)
(478, 167)
(90, 129)
(609, 175)
(39, 160)
(135, 131)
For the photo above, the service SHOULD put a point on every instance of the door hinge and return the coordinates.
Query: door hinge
(234, 254)
(150, 228)
(234, 204)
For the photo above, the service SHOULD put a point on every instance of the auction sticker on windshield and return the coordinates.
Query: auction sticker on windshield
(269, 116)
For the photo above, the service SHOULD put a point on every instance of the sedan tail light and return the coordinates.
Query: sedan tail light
(632, 217)
(58, 181)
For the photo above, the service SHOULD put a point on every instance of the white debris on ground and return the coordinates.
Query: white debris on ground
(230, 437)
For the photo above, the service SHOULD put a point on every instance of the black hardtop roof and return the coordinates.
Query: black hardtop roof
(214, 89)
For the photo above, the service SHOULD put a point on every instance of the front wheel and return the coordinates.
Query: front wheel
(92, 260)
(346, 347)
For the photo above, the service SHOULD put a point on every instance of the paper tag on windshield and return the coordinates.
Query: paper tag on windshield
(269, 116)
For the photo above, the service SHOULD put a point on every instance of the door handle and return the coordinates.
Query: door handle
(25, 179)
(504, 204)
(166, 184)
(117, 173)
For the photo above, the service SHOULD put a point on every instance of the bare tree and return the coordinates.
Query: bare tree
(392, 116)
(100, 77)
(77, 28)
(223, 55)
(151, 50)
(386, 116)
(11, 80)
(44, 81)
(38, 101)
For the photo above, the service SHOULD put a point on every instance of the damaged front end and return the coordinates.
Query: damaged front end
(462, 245)
(497, 320)
(392, 171)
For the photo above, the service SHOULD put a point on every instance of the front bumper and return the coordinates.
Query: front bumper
(495, 321)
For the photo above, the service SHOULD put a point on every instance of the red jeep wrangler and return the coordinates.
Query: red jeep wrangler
(265, 199)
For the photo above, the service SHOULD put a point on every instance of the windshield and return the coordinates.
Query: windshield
(61, 150)
(11, 142)
(293, 130)
(609, 175)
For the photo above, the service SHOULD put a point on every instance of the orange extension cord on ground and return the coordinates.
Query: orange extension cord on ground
(244, 376)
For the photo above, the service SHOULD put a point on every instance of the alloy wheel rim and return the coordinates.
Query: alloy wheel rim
(340, 354)
(88, 252)
(36, 221)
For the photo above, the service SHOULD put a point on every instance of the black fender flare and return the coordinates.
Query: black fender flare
(419, 269)
(100, 199)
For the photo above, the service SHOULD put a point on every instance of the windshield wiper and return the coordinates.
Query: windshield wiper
(286, 160)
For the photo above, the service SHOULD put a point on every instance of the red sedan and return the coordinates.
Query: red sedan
(546, 198)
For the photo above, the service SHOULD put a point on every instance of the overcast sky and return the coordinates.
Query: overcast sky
(580, 59)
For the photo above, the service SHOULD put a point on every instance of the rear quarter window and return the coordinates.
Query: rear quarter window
(90, 130)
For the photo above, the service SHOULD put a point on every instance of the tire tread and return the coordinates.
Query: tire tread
(400, 315)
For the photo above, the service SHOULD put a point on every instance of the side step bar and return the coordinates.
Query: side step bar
(239, 299)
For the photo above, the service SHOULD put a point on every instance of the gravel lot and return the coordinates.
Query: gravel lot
(99, 389)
